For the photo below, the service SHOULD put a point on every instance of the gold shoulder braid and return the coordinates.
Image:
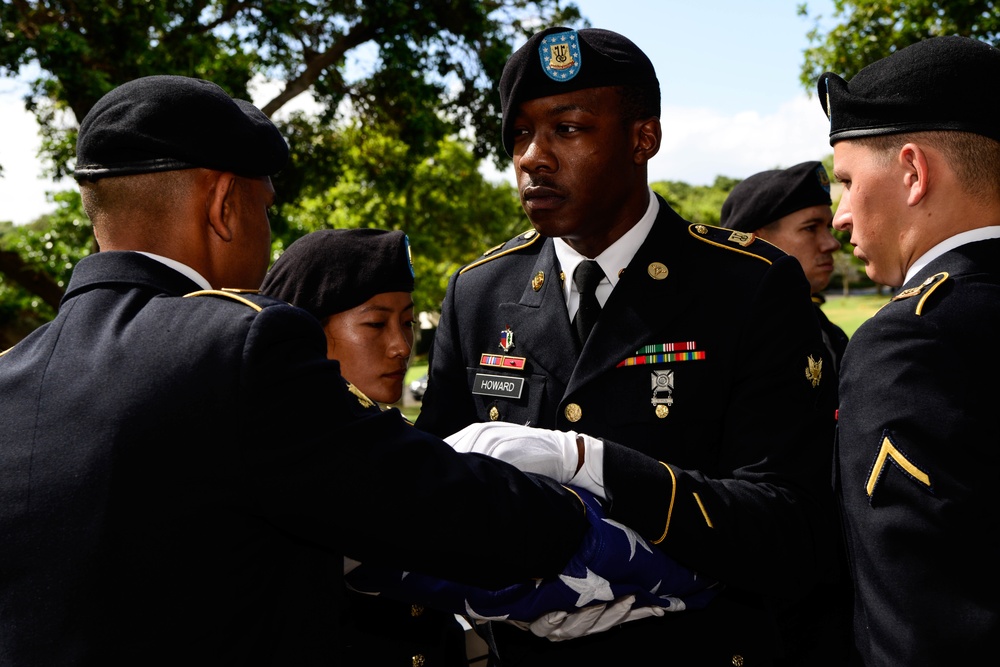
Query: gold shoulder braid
(233, 294)
(362, 399)
(926, 288)
(742, 242)
(519, 242)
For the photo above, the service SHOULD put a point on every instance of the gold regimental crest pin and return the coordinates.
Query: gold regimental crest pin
(814, 370)
(538, 281)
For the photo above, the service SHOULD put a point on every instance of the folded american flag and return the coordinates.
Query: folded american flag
(613, 562)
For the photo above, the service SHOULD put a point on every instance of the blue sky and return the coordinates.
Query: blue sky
(728, 70)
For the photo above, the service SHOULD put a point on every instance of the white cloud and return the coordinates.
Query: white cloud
(22, 189)
(700, 144)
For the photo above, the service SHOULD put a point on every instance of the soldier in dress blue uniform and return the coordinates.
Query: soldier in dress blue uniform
(698, 349)
(181, 467)
(791, 209)
(358, 283)
(916, 142)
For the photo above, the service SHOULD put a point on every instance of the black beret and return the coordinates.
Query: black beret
(767, 196)
(334, 270)
(942, 83)
(164, 123)
(560, 60)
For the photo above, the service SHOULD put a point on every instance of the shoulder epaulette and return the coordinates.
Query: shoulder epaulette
(519, 242)
(925, 289)
(234, 294)
(360, 395)
(3, 352)
(744, 243)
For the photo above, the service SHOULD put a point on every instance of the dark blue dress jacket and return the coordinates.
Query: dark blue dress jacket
(735, 417)
(179, 477)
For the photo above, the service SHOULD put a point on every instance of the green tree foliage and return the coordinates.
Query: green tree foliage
(430, 65)
(421, 71)
(867, 30)
(450, 212)
(697, 203)
(39, 258)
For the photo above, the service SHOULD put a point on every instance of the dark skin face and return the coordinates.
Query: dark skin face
(253, 247)
(581, 170)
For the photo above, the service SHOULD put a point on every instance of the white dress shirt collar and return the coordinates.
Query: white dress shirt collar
(971, 236)
(180, 268)
(613, 260)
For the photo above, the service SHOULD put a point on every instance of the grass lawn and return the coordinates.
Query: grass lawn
(849, 312)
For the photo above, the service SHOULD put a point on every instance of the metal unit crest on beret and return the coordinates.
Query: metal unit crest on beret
(559, 54)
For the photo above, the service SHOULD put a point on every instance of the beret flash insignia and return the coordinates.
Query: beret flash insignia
(560, 55)
(824, 178)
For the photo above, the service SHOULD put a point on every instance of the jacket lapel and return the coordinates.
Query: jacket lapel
(540, 320)
(644, 304)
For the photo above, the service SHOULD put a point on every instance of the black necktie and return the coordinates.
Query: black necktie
(586, 277)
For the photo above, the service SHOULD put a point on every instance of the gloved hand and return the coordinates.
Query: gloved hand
(560, 625)
(541, 451)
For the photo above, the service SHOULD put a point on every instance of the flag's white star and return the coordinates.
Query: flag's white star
(592, 587)
(633, 537)
(676, 604)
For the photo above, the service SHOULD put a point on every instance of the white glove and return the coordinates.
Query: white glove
(541, 451)
(561, 625)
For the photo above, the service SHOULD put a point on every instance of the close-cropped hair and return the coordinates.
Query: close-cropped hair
(121, 200)
(973, 157)
(639, 102)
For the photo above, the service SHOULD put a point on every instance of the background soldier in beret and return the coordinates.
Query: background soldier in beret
(703, 358)
(791, 209)
(916, 140)
(181, 467)
(358, 284)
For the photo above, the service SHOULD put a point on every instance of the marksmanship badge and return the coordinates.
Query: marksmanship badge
(560, 55)
(663, 392)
